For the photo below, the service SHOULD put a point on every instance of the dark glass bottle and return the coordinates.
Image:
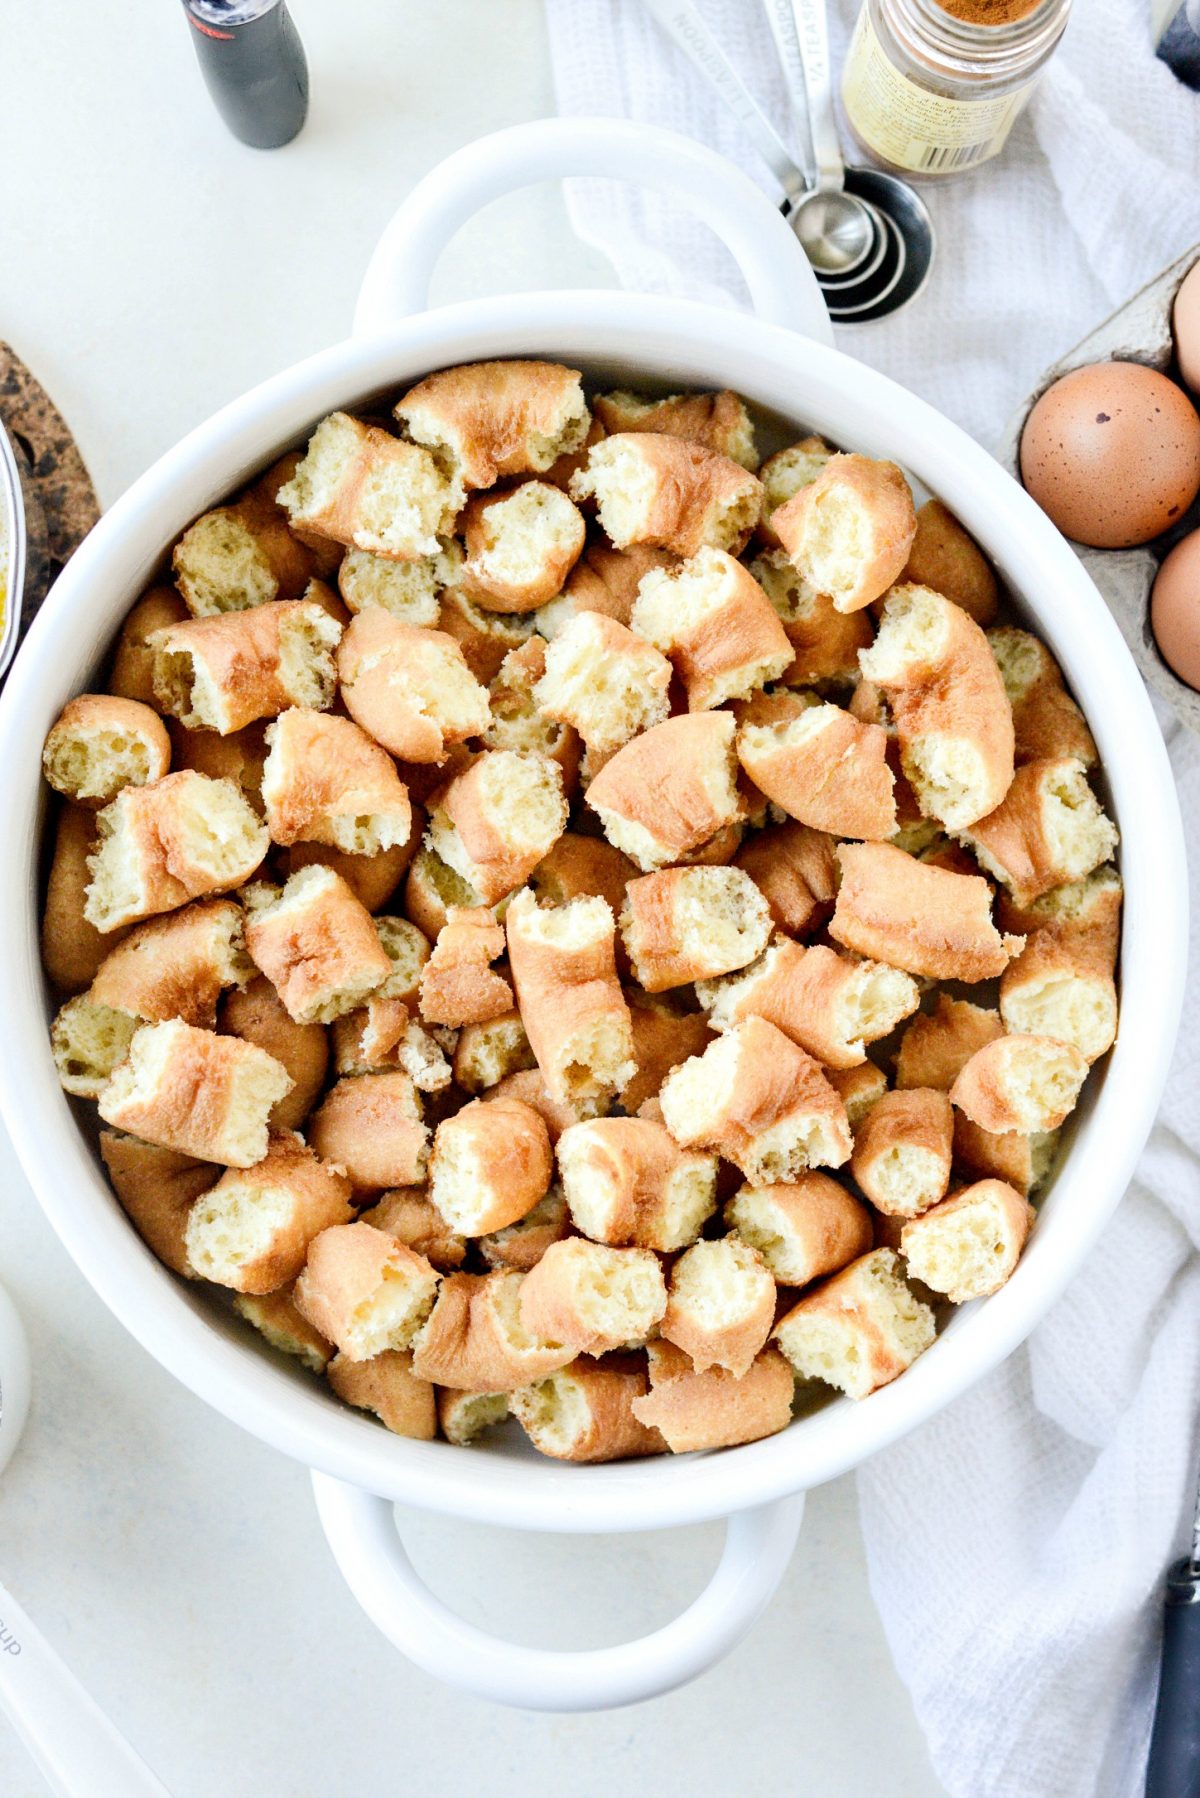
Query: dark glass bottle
(253, 65)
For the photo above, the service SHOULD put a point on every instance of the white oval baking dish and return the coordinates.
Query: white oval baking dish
(616, 338)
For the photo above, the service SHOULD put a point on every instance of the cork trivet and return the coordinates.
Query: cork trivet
(58, 485)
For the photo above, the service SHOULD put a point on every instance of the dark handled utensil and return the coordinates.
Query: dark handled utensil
(1173, 1769)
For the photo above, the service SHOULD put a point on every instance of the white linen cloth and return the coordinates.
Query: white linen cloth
(1017, 1542)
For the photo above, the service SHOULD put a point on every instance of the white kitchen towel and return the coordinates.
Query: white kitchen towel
(1017, 1543)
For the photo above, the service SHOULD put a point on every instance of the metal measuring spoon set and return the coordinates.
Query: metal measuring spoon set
(867, 234)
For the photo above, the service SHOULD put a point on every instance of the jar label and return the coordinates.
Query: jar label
(907, 125)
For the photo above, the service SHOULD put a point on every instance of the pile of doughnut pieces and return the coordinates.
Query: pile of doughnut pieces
(479, 887)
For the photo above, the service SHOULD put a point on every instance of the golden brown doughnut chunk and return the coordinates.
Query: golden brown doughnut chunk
(926, 920)
(463, 1416)
(825, 642)
(663, 1036)
(902, 1151)
(858, 1330)
(491, 1163)
(326, 781)
(522, 543)
(495, 821)
(1021, 1161)
(714, 1409)
(177, 966)
(1046, 720)
(157, 1188)
(720, 1305)
(1050, 830)
(275, 1317)
(410, 591)
(1087, 909)
(191, 1090)
(181, 838)
(716, 421)
(832, 1005)
(316, 943)
(488, 421)
(669, 790)
(252, 1230)
(522, 1245)
(593, 1298)
(783, 475)
(240, 757)
(796, 871)
(457, 985)
(365, 1291)
(530, 1087)
(484, 638)
(628, 1184)
(603, 580)
(518, 720)
(370, 1124)
(858, 1088)
(364, 488)
(373, 879)
(132, 672)
(475, 1341)
(89, 1042)
(604, 681)
(1025, 1083)
(409, 688)
(565, 975)
(99, 744)
(387, 1386)
(408, 1214)
(684, 924)
(223, 672)
(256, 1014)
(849, 531)
(718, 626)
(651, 488)
(488, 1052)
(947, 558)
(241, 555)
(803, 1229)
(760, 1101)
(968, 1245)
(937, 1045)
(1061, 985)
(585, 1413)
(825, 769)
(72, 947)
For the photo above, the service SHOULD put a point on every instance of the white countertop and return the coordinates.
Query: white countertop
(151, 269)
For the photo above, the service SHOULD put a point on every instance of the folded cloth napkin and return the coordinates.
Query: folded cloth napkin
(1017, 1542)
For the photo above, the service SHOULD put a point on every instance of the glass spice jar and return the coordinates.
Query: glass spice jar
(932, 87)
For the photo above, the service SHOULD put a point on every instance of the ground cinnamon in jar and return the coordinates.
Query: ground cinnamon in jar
(933, 87)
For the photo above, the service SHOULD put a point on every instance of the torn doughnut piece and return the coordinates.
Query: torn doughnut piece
(252, 1230)
(937, 1045)
(486, 421)
(1022, 1162)
(664, 1034)
(948, 703)
(410, 689)
(157, 1188)
(580, 867)
(464, 1416)
(432, 889)
(831, 1004)
(858, 1088)
(241, 555)
(522, 1245)
(365, 1291)
(824, 642)
(326, 781)
(89, 1041)
(592, 1297)
(1061, 985)
(902, 1151)
(669, 790)
(222, 673)
(628, 1184)
(796, 871)
(720, 1305)
(176, 966)
(381, 1036)
(518, 720)
(132, 672)
(585, 1412)
(716, 421)
(457, 985)
(191, 1090)
(684, 924)
(99, 744)
(604, 681)
(824, 768)
(488, 1052)
(387, 1386)
(714, 1409)
(370, 1125)
(1050, 830)
(407, 1214)
(947, 558)
(849, 531)
(1046, 721)
(782, 476)
(495, 821)
(239, 758)
(180, 838)
(968, 1246)
(410, 591)
(1086, 911)
(715, 622)
(256, 1014)
(760, 1101)
(275, 1317)
(1025, 1083)
(564, 971)
(803, 1229)
(72, 948)
(521, 543)
(660, 490)
(491, 1163)
(858, 1330)
(475, 1339)
(362, 487)
(316, 943)
(926, 920)
(604, 580)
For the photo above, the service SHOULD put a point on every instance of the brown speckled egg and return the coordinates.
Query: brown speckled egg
(1112, 453)
(1185, 321)
(1175, 609)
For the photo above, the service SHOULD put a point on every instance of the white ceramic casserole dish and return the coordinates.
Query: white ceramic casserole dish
(616, 338)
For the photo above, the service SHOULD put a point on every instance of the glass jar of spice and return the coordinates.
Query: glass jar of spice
(932, 87)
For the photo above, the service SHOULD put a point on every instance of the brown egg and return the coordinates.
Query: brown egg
(1185, 320)
(1112, 453)
(1175, 609)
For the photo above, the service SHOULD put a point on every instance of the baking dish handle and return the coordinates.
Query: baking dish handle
(361, 1531)
(782, 286)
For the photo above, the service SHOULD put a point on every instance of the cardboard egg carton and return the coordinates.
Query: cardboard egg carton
(1139, 331)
